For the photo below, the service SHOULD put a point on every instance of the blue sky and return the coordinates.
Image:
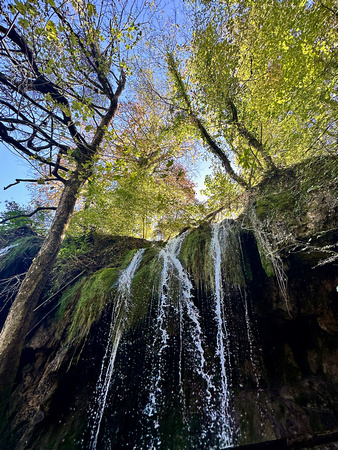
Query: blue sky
(12, 167)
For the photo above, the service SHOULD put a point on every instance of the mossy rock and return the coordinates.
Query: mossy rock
(290, 207)
(194, 252)
(19, 256)
(97, 252)
(273, 204)
(142, 287)
(290, 195)
(93, 296)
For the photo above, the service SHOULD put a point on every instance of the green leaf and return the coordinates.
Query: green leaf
(24, 23)
(91, 9)
(20, 7)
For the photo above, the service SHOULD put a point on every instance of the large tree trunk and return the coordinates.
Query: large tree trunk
(17, 324)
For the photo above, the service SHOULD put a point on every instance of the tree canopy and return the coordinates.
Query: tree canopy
(254, 83)
(259, 82)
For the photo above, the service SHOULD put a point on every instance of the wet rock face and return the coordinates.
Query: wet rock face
(300, 350)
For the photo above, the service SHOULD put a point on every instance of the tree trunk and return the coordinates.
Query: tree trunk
(250, 138)
(17, 324)
(217, 151)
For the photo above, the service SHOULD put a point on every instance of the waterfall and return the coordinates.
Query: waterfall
(5, 250)
(177, 372)
(171, 268)
(192, 348)
(117, 324)
(188, 316)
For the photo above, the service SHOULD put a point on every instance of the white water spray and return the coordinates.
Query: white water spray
(189, 319)
(217, 246)
(5, 250)
(117, 325)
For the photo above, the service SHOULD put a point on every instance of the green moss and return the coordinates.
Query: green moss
(195, 252)
(95, 294)
(265, 261)
(70, 298)
(196, 258)
(85, 301)
(19, 257)
(289, 204)
(287, 194)
(96, 253)
(128, 256)
(142, 286)
(272, 204)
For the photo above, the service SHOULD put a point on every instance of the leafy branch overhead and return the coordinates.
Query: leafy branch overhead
(60, 80)
(259, 80)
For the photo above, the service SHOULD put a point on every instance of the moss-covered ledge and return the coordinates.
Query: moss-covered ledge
(294, 211)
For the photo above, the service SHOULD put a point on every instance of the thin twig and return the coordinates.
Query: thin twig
(19, 180)
(60, 290)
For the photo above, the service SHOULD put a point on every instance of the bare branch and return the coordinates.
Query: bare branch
(36, 129)
(19, 180)
(43, 85)
(17, 145)
(40, 208)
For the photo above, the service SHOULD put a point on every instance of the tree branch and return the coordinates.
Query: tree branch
(40, 208)
(4, 136)
(250, 138)
(329, 9)
(215, 149)
(211, 216)
(36, 129)
(105, 121)
(19, 180)
(4, 80)
(44, 86)
(105, 85)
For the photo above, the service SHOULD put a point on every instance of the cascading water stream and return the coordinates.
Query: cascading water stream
(167, 255)
(172, 270)
(5, 250)
(217, 245)
(117, 325)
